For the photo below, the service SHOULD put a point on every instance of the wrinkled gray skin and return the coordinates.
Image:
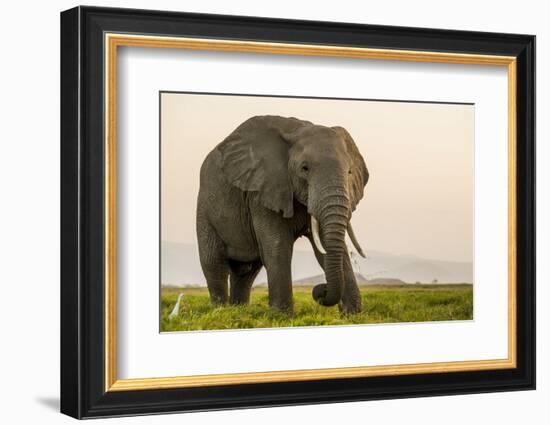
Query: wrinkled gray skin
(258, 189)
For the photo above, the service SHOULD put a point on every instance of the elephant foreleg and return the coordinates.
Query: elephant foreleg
(213, 261)
(279, 282)
(351, 296)
(275, 241)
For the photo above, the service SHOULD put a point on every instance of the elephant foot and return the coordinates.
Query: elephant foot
(349, 308)
(349, 311)
(287, 309)
(238, 302)
(218, 295)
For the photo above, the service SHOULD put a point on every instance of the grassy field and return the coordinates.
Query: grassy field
(381, 304)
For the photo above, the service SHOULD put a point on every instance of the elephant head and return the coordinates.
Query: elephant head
(283, 160)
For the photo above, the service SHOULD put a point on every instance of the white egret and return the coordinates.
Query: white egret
(176, 309)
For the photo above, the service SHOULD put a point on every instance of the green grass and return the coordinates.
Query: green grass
(381, 304)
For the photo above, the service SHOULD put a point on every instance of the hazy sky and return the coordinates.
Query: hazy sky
(419, 198)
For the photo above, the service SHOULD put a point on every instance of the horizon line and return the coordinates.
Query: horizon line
(368, 250)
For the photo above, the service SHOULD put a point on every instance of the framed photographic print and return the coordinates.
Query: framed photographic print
(261, 212)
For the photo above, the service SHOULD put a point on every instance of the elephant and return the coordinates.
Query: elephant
(272, 180)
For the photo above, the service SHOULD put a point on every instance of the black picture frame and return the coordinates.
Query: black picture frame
(83, 392)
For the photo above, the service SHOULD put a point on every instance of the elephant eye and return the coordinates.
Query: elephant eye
(305, 168)
(349, 172)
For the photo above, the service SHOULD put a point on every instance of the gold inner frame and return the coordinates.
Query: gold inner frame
(113, 41)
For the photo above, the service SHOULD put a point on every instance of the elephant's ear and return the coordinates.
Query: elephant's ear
(254, 158)
(360, 174)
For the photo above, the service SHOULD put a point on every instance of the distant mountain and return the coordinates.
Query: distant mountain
(385, 281)
(361, 281)
(180, 266)
(308, 281)
(412, 269)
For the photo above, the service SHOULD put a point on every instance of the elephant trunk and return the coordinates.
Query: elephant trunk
(333, 218)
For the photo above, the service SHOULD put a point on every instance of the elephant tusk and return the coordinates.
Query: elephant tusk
(354, 240)
(316, 238)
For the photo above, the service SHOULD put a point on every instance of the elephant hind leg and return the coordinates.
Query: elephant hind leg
(242, 277)
(213, 261)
